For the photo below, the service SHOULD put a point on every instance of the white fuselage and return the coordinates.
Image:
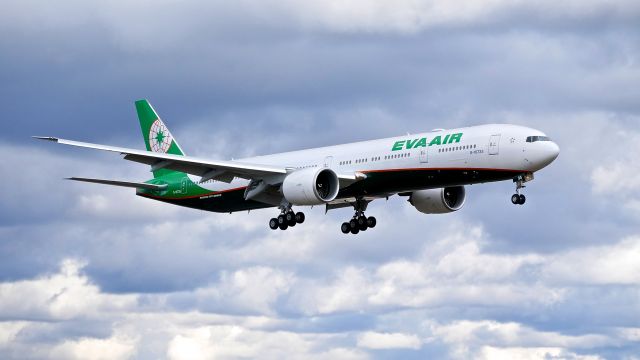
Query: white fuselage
(485, 147)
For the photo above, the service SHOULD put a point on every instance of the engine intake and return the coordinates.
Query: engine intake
(438, 201)
(311, 186)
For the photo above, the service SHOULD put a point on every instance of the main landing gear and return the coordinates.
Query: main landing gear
(517, 198)
(359, 222)
(286, 219)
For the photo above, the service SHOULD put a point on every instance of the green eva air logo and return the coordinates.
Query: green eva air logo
(422, 142)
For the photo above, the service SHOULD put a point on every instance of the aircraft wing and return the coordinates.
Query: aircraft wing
(206, 169)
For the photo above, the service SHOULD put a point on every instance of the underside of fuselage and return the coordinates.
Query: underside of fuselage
(378, 183)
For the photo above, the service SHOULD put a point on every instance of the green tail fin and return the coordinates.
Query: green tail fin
(157, 137)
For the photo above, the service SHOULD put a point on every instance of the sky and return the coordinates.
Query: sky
(91, 272)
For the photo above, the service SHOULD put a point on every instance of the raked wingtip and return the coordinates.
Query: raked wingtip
(48, 138)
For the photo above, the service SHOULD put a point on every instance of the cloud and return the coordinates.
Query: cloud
(520, 353)
(612, 177)
(227, 342)
(254, 289)
(411, 15)
(375, 340)
(65, 295)
(115, 347)
(453, 270)
(9, 330)
(616, 264)
(404, 16)
(490, 339)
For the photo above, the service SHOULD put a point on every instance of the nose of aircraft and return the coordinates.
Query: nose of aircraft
(549, 153)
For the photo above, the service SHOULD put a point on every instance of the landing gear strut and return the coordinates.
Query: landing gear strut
(359, 222)
(286, 219)
(517, 198)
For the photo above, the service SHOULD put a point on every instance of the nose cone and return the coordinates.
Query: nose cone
(548, 153)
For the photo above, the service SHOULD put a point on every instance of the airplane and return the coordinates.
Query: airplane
(431, 169)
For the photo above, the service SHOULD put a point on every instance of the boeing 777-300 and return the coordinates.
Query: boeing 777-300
(431, 169)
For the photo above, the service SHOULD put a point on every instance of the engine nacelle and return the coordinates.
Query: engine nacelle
(438, 201)
(311, 186)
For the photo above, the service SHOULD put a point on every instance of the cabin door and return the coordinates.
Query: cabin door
(494, 144)
(327, 161)
(424, 156)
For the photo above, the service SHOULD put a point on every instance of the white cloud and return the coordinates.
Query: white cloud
(113, 348)
(376, 340)
(253, 289)
(486, 339)
(230, 342)
(453, 270)
(531, 353)
(9, 330)
(612, 178)
(64, 295)
(616, 263)
(347, 292)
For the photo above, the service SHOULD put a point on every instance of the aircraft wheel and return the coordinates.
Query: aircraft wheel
(300, 217)
(290, 216)
(515, 199)
(522, 199)
(273, 223)
(281, 219)
(283, 226)
(362, 223)
(345, 228)
(353, 224)
(371, 222)
(355, 231)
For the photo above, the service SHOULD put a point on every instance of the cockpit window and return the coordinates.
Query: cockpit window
(537, 138)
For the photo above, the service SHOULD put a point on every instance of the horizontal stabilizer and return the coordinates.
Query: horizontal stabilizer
(136, 185)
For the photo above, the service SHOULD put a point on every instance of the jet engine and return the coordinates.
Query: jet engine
(438, 201)
(311, 186)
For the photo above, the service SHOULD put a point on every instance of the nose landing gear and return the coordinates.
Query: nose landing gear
(517, 198)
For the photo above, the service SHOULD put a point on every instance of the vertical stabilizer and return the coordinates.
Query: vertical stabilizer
(157, 137)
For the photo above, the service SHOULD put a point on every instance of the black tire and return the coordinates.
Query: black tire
(355, 231)
(353, 224)
(281, 219)
(292, 222)
(300, 217)
(290, 216)
(371, 222)
(522, 199)
(283, 226)
(345, 228)
(515, 199)
(273, 223)
(362, 223)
